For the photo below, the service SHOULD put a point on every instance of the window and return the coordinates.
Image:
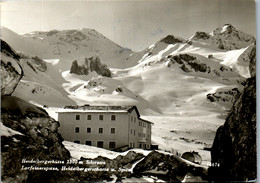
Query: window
(100, 144)
(131, 118)
(134, 119)
(133, 145)
(131, 131)
(89, 143)
(113, 130)
(76, 129)
(100, 130)
(88, 130)
(112, 144)
(144, 124)
(77, 117)
(101, 117)
(148, 147)
(134, 132)
(89, 117)
(113, 117)
(130, 144)
(144, 146)
(140, 145)
(77, 141)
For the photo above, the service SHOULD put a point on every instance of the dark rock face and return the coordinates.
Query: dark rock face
(101, 69)
(252, 62)
(37, 64)
(170, 39)
(227, 96)
(201, 35)
(79, 70)
(39, 139)
(189, 63)
(234, 148)
(167, 167)
(90, 65)
(11, 71)
(6, 49)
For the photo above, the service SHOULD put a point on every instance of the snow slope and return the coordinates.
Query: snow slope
(69, 45)
(40, 85)
(169, 81)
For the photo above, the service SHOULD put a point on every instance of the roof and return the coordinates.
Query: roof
(89, 108)
(103, 108)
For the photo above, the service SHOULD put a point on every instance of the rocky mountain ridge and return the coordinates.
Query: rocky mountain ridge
(225, 38)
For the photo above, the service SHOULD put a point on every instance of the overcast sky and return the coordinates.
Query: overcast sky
(132, 24)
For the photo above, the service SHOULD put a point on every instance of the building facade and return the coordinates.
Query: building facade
(109, 127)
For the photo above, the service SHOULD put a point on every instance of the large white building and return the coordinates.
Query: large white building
(109, 127)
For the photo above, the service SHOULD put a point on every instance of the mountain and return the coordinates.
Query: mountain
(184, 86)
(27, 131)
(234, 147)
(69, 45)
(224, 38)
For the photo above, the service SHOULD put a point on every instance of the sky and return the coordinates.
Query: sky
(134, 24)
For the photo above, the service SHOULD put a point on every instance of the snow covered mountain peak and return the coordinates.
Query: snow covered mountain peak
(170, 39)
(69, 45)
(225, 29)
(226, 37)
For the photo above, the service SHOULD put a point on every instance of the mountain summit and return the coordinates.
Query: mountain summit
(225, 38)
(69, 45)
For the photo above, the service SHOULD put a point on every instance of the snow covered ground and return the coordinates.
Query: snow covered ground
(175, 100)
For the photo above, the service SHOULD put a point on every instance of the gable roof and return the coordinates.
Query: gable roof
(89, 108)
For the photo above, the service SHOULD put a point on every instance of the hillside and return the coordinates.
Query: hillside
(68, 45)
(170, 82)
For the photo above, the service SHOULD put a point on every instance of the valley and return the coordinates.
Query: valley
(169, 82)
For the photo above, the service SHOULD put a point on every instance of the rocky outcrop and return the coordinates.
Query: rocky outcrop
(225, 96)
(96, 65)
(188, 63)
(91, 64)
(37, 139)
(170, 39)
(167, 167)
(100, 169)
(233, 152)
(37, 64)
(79, 70)
(252, 62)
(11, 71)
(201, 35)
(34, 62)
(27, 131)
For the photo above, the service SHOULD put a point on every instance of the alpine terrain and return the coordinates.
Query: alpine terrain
(186, 87)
